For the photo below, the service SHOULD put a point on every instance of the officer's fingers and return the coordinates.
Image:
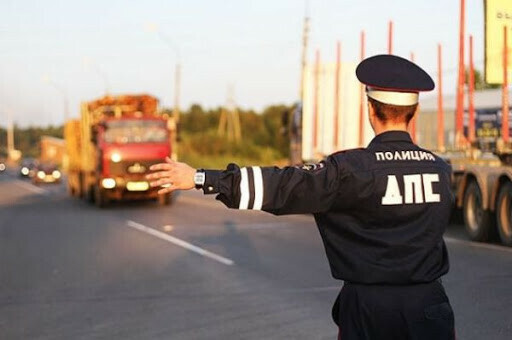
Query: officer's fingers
(162, 181)
(159, 174)
(167, 189)
(161, 166)
(171, 162)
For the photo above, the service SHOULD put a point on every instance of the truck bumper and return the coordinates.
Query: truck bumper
(132, 188)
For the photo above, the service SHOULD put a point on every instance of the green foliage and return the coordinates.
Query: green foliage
(262, 142)
(480, 83)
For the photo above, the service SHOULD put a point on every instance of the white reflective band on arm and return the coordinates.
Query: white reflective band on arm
(244, 190)
(258, 188)
(393, 98)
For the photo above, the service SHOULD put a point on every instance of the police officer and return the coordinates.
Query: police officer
(381, 211)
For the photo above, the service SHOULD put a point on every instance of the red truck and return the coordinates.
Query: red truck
(113, 144)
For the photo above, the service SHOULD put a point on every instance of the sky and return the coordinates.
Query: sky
(55, 51)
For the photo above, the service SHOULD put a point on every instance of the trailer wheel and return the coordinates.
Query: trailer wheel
(504, 214)
(165, 199)
(478, 221)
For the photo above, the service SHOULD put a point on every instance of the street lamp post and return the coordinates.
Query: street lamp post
(177, 75)
(64, 94)
(96, 68)
(177, 85)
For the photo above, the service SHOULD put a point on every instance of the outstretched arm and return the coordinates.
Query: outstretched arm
(289, 190)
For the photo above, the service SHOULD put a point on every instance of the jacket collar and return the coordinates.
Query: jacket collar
(391, 136)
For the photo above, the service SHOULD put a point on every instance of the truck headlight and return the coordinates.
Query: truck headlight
(108, 183)
(115, 157)
(56, 174)
(41, 174)
(24, 171)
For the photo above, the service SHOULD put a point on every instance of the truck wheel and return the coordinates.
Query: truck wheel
(164, 199)
(504, 214)
(89, 194)
(478, 221)
(80, 186)
(71, 190)
(100, 199)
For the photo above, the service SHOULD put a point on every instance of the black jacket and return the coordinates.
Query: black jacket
(381, 211)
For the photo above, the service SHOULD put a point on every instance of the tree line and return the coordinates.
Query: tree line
(263, 141)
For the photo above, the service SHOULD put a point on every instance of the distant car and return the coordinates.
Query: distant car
(27, 167)
(46, 173)
(2, 166)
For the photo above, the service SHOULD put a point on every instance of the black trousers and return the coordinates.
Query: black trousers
(368, 312)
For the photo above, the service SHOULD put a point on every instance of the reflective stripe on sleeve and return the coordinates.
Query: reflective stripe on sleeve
(258, 188)
(244, 190)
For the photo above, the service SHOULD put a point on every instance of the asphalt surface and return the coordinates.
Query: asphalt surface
(195, 270)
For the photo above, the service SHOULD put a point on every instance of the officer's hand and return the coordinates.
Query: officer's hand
(172, 176)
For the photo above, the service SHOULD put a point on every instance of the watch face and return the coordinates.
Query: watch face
(199, 178)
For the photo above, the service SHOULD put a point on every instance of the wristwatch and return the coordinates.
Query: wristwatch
(199, 178)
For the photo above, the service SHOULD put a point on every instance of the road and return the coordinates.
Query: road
(195, 270)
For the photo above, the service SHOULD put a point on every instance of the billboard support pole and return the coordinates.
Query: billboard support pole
(471, 124)
(390, 37)
(459, 136)
(440, 112)
(337, 95)
(504, 109)
(413, 120)
(361, 96)
(315, 103)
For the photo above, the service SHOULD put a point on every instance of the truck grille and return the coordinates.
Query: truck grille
(132, 167)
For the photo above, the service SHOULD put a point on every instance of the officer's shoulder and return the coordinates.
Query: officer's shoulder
(352, 158)
(438, 159)
(348, 152)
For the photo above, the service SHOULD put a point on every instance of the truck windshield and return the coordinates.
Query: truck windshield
(135, 131)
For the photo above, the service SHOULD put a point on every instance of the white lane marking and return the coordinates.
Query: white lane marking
(168, 228)
(30, 187)
(477, 244)
(258, 188)
(179, 242)
(244, 190)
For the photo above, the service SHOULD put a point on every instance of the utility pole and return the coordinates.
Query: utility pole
(304, 58)
(471, 94)
(415, 117)
(390, 37)
(12, 154)
(459, 123)
(440, 111)
(177, 93)
(88, 62)
(296, 121)
(10, 134)
(229, 122)
(177, 90)
(64, 94)
(361, 93)
(504, 122)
